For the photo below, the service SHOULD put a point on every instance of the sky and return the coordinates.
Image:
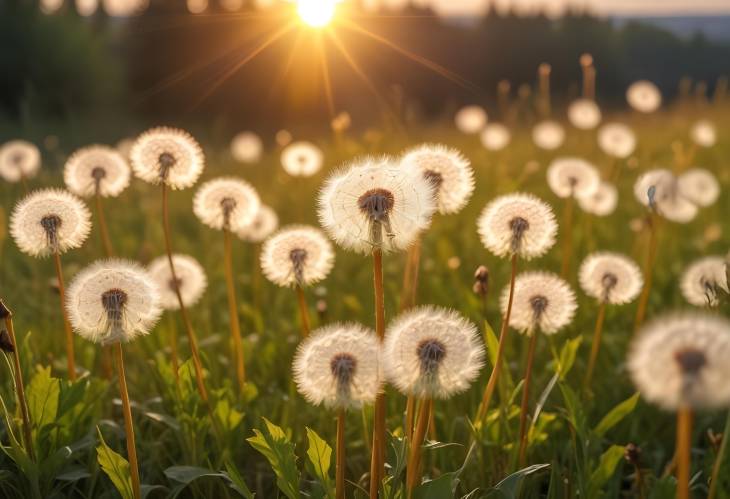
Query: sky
(619, 7)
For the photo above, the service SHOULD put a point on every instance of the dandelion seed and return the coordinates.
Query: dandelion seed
(247, 147)
(548, 135)
(302, 159)
(374, 204)
(584, 114)
(572, 177)
(264, 224)
(495, 137)
(602, 202)
(659, 190)
(49, 221)
(705, 281)
(113, 301)
(471, 119)
(339, 366)
(226, 203)
(644, 96)
(611, 278)
(96, 170)
(699, 186)
(542, 301)
(297, 255)
(19, 160)
(616, 140)
(520, 224)
(169, 156)
(449, 172)
(189, 280)
(703, 133)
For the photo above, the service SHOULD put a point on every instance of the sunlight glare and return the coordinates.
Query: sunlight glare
(316, 13)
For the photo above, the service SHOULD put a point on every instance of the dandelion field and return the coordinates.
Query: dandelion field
(265, 439)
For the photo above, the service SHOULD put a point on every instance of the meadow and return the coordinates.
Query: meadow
(268, 441)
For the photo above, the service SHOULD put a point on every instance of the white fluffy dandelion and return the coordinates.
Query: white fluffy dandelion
(572, 177)
(374, 203)
(584, 114)
(448, 170)
(602, 202)
(681, 360)
(703, 133)
(644, 96)
(113, 301)
(610, 278)
(263, 225)
(49, 221)
(96, 169)
(699, 186)
(617, 140)
(247, 147)
(548, 135)
(495, 137)
(167, 155)
(659, 189)
(297, 255)
(191, 280)
(19, 160)
(704, 281)
(471, 119)
(519, 224)
(226, 203)
(542, 301)
(302, 159)
(339, 366)
(432, 353)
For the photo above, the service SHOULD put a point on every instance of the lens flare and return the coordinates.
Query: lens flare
(316, 13)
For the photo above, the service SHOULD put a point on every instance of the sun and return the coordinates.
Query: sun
(316, 13)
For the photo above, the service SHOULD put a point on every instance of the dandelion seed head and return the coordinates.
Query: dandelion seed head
(548, 135)
(681, 360)
(602, 202)
(470, 119)
(519, 224)
(95, 169)
(297, 255)
(339, 366)
(167, 155)
(542, 302)
(49, 221)
(191, 280)
(572, 177)
(704, 281)
(495, 137)
(373, 203)
(432, 352)
(226, 203)
(19, 159)
(448, 170)
(584, 114)
(699, 186)
(616, 140)
(263, 225)
(659, 189)
(247, 147)
(703, 133)
(611, 278)
(113, 300)
(302, 159)
(644, 96)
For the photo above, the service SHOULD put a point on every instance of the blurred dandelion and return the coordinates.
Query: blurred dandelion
(602, 202)
(616, 140)
(247, 147)
(495, 137)
(471, 119)
(698, 186)
(610, 278)
(584, 114)
(644, 96)
(705, 281)
(19, 161)
(659, 190)
(302, 159)
(703, 133)
(51, 222)
(548, 135)
(264, 224)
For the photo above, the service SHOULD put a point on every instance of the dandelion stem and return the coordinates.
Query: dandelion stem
(568, 243)
(377, 461)
(526, 399)
(410, 277)
(303, 312)
(494, 377)
(174, 359)
(413, 470)
(233, 311)
(106, 241)
(24, 183)
(718, 459)
(70, 357)
(7, 316)
(410, 414)
(684, 443)
(340, 466)
(596, 344)
(648, 272)
(128, 425)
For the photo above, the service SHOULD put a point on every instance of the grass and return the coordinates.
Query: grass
(580, 439)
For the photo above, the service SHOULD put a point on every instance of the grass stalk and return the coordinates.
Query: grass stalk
(568, 241)
(719, 459)
(128, 424)
(526, 400)
(70, 356)
(595, 345)
(233, 310)
(648, 272)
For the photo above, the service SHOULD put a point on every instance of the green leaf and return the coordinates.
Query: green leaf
(320, 455)
(567, 356)
(616, 414)
(43, 394)
(576, 416)
(439, 488)
(185, 475)
(237, 482)
(278, 449)
(605, 469)
(510, 487)
(115, 467)
(228, 416)
(492, 342)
